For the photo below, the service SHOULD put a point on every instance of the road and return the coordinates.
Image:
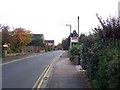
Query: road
(24, 73)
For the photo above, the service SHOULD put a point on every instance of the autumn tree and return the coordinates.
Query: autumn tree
(20, 38)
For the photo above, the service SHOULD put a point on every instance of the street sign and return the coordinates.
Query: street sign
(74, 40)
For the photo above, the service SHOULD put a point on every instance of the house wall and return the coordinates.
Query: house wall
(43, 39)
(34, 49)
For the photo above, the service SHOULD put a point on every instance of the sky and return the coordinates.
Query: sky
(49, 17)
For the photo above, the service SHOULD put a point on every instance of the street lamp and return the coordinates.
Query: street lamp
(70, 32)
(70, 27)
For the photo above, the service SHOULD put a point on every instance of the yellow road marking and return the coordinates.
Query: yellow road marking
(40, 80)
(36, 83)
(40, 84)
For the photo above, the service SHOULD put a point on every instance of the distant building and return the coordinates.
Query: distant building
(50, 43)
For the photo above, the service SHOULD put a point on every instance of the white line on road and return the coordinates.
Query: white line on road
(19, 59)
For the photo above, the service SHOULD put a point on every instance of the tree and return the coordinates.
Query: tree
(5, 35)
(65, 44)
(74, 34)
(37, 41)
(20, 38)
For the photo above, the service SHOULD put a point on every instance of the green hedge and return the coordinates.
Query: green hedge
(74, 50)
(100, 55)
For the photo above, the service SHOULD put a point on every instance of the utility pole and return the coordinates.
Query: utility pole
(78, 29)
(78, 26)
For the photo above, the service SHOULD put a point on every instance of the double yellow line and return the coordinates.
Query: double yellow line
(40, 80)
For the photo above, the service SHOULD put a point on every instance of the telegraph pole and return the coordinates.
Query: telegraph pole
(78, 26)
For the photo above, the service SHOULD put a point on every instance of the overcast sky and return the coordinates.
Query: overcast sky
(49, 17)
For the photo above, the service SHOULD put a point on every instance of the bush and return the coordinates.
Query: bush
(113, 73)
(9, 51)
(47, 48)
(75, 50)
(100, 55)
(16, 50)
(108, 70)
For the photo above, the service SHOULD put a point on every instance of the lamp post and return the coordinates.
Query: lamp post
(70, 32)
(70, 27)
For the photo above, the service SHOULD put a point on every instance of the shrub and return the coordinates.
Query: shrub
(9, 51)
(113, 73)
(100, 55)
(75, 50)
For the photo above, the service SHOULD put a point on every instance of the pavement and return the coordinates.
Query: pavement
(66, 75)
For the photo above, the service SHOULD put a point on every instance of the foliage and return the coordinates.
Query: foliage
(16, 39)
(74, 50)
(5, 35)
(113, 73)
(74, 34)
(108, 69)
(37, 41)
(65, 44)
(20, 38)
(47, 48)
(100, 54)
(9, 51)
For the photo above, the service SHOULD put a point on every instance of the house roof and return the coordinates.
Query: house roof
(34, 35)
(49, 41)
